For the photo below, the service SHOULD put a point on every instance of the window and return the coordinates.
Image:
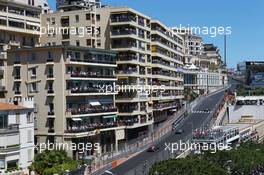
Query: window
(29, 155)
(53, 21)
(77, 55)
(17, 88)
(50, 56)
(97, 17)
(50, 72)
(50, 87)
(88, 42)
(17, 118)
(77, 43)
(76, 18)
(17, 73)
(3, 121)
(98, 43)
(88, 17)
(33, 72)
(29, 118)
(33, 56)
(34, 87)
(51, 107)
(29, 136)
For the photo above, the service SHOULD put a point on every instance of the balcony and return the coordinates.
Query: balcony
(13, 128)
(96, 75)
(51, 130)
(129, 71)
(90, 90)
(88, 109)
(50, 61)
(91, 60)
(51, 113)
(123, 18)
(50, 76)
(50, 92)
(14, 43)
(17, 63)
(126, 31)
(88, 127)
(128, 58)
(124, 45)
(163, 106)
(17, 92)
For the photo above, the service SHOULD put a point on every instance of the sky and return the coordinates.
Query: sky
(246, 19)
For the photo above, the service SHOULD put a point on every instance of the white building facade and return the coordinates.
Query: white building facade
(16, 135)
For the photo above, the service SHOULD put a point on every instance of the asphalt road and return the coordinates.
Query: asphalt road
(194, 120)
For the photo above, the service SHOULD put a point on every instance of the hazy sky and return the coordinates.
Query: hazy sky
(246, 19)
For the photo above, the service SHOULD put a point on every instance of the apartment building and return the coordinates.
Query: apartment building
(167, 70)
(193, 44)
(76, 26)
(212, 52)
(83, 3)
(128, 32)
(203, 81)
(19, 25)
(68, 84)
(130, 37)
(16, 135)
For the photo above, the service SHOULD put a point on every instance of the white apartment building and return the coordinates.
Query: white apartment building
(203, 81)
(16, 134)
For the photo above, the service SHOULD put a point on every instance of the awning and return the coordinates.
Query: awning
(33, 24)
(95, 103)
(110, 116)
(76, 119)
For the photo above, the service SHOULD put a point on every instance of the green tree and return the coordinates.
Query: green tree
(186, 166)
(51, 162)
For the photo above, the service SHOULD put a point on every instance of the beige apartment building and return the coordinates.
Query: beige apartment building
(135, 38)
(78, 27)
(123, 30)
(19, 25)
(68, 84)
(130, 37)
(167, 70)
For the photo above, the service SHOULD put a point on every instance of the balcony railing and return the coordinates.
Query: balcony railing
(124, 32)
(91, 127)
(50, 76)
(128, 58)
(89, 89)
(88, 109)
(50, 91)
(83, 74)
(51, 113)
(165, 105)
(128, 71)
(90, 60)
(10, 129)
(123, 18)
